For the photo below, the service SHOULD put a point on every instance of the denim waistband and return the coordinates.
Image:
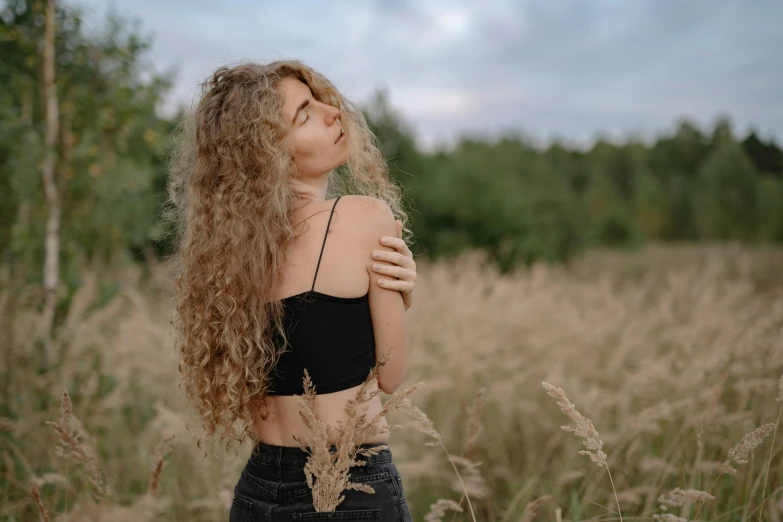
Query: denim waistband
(295, 457)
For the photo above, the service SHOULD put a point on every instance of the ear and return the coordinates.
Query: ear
(399, 228)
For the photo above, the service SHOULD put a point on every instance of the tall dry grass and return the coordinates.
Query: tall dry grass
(328, 472)
(674, 355)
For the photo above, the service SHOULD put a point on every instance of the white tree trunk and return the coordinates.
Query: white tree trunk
(52, 242)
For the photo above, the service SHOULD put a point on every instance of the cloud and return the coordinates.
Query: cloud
(567, 68)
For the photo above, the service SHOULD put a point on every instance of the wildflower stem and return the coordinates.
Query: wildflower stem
(37, 496)
(470, 506)
(709, 491)
(454, 514)
(769, 462)
(619, 512)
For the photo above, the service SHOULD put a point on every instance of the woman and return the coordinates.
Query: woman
(275, 277)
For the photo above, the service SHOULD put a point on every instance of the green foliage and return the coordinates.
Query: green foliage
(519, 202)
(769, 195)
(650, 205)
(766, 156)
(675, 161)
(109, 138)
(501, 197)
(524, 204)
(725, 203)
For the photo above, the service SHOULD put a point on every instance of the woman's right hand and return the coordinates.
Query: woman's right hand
(403, 275)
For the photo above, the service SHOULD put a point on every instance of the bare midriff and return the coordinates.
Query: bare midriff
(284, 421)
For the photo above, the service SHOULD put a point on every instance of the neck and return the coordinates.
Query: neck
(315, 189)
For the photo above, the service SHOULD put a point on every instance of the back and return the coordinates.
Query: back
(337, 255)
(337, 262)
(341, 303)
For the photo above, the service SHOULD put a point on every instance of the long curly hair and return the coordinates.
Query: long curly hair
(229, 203)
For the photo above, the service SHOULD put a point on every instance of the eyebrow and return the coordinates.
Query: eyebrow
(301, 106)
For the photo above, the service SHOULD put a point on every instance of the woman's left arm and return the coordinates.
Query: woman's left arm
(403, 276)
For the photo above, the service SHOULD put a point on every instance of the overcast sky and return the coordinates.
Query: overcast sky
(572, 69)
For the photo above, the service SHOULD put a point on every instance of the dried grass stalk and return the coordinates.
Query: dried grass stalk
(657, 465)
(472, 480)
(741, 451)
(531, 510)
(158, 463)
(51, 478)
(749, 442)
(474, 421)
(423, 424)
(326, 472)
(668, 517)
(681, 497)
(438, 509)
(585, 429)
(71, 448)
(37, 496)
(584, 426)
(772, 445)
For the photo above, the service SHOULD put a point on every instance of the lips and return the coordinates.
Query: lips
(339, 136)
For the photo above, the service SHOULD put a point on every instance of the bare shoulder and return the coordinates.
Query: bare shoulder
(369, 218)
(371, 215)
(366, 206)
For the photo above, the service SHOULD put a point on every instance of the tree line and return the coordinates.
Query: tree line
(520, 202)
(525, 203)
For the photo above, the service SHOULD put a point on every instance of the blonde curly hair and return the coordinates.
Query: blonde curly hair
(230, 200)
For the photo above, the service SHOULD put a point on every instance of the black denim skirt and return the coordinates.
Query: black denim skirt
(272, 488)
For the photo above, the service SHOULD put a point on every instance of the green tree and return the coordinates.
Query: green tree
(766, 156)
(769, 195)
(675, 162)
(651, 206)
(726, 200)
(109, 140)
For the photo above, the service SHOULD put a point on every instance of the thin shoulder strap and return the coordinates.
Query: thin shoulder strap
(324, 243)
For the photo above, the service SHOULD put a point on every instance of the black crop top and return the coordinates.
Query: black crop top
(330, 336)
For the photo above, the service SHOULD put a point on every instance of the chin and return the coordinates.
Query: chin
(342, 158)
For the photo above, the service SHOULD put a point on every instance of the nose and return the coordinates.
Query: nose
(332, 113)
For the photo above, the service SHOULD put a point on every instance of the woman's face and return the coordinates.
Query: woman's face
(314, 128)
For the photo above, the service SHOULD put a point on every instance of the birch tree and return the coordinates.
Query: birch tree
(52, 240)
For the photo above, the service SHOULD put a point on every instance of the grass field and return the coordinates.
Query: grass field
(674, 353)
